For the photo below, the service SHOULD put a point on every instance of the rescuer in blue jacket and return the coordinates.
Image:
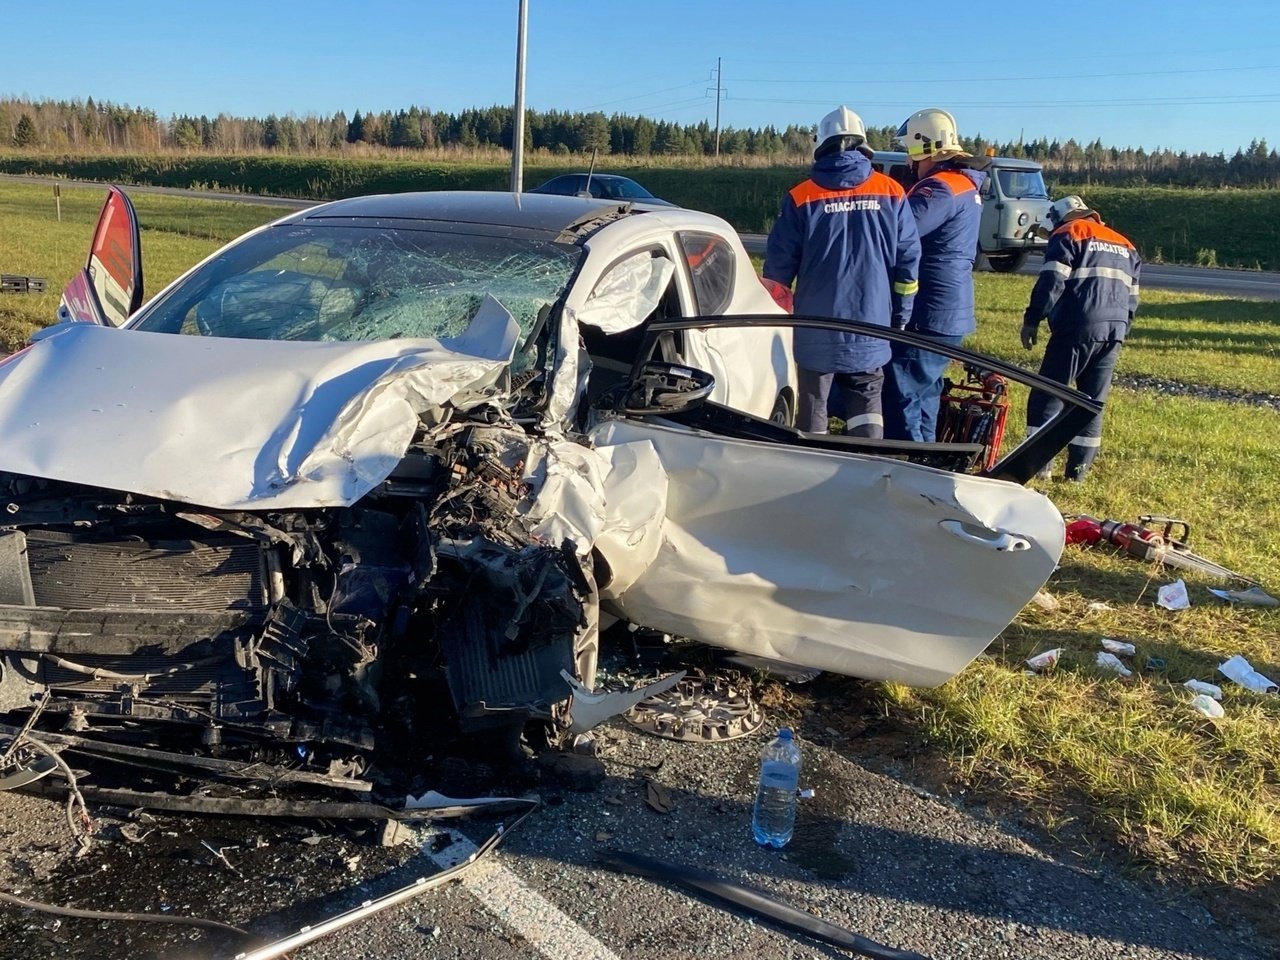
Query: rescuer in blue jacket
(1088, 288)
(948, 209)
(848, 240)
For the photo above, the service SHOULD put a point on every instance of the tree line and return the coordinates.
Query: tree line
(88, 126)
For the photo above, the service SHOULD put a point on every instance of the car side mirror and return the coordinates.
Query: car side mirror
(666, 388)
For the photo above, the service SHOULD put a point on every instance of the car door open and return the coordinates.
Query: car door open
(856, 556)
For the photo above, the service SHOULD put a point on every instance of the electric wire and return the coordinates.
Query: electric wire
(899, 81)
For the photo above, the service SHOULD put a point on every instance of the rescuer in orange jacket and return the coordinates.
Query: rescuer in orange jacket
(947, 207)
(1088, 288)
(848, 240)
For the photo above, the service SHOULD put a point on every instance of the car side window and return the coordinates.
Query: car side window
(712, 266)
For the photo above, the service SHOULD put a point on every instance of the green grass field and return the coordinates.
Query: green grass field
(1123, 764)
(1227, 228)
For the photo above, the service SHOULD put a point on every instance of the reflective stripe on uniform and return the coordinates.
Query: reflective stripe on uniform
(1052, 266)
(907, 289)
(1109, 273)
(1134, 289)
(863, 420)
(1085, 442)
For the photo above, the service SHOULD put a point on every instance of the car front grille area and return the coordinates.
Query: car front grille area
(133, 627)
(74, 573)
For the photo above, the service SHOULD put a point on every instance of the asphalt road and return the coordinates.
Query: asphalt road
(1255, 284)
(892, 863)
(1261, 285)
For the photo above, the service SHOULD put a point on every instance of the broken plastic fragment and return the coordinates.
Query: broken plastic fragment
(1046, 660)
(1254, 596)
(431, 800)
(1173, 596)
(1208, 689)
(1208, 706)
(1241, 671)
(658, 797)
(1046, 601)
(590, 709)
(1098, 606)
(1118, 647)
(1109, 661)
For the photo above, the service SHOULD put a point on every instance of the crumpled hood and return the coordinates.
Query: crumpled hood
(234, 424)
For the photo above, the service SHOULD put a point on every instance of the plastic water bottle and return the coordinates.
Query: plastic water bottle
(774, 818)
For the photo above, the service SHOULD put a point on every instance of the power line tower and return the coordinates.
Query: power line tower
(721, 93)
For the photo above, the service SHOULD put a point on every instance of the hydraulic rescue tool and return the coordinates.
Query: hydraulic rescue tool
(1152, 539)
(974, 411)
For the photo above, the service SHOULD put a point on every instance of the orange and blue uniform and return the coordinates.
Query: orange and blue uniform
(947, 208)
(1088, 288)
(948, 212)
(848, 240)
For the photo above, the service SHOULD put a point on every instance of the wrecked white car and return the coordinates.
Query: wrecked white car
(381, 467)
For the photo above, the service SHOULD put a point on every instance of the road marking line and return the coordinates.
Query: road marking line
(548, 929)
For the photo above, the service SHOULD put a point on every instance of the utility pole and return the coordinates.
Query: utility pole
(719, 95)
(517, 132)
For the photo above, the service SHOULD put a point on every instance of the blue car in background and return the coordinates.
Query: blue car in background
(605, 186)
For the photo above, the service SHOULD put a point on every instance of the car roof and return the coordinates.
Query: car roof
(594, 176)
(550, 213)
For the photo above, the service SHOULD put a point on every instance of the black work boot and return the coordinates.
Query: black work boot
(1076, 472)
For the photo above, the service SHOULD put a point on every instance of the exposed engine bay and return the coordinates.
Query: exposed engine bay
(428, 606)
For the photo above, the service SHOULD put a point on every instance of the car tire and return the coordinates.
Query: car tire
(1008, 262)
(784, 410)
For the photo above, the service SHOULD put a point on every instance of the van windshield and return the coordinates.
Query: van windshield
(1022, 184)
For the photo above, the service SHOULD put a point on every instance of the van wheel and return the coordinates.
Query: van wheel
(784, 410)
(1008, 262)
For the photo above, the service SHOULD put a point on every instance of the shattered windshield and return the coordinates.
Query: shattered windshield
(1022, 184)
(347, 283)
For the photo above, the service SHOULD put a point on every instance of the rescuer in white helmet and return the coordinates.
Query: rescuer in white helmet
(848, 241)
(946, 203)
(1088, 288)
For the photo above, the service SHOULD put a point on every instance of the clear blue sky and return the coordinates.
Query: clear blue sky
(1183, 75)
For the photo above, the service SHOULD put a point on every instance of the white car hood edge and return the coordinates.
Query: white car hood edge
(235, 424)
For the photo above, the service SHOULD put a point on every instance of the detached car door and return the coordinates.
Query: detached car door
(836, 553)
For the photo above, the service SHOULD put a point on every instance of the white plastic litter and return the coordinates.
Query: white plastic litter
(1207, 706)
(1044, 661)
(1098, 606)
(1208, 689)
(1173, 596)
(1118, 647)
(1241, 671)
(1109, 661)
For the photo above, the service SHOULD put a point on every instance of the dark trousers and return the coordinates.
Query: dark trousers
(1088, 366)
(912, 386)
(860, 396)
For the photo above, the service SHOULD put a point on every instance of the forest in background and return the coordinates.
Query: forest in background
(88, 126)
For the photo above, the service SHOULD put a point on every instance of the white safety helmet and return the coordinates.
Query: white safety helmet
(929, 134)
(840, 122)
(1068, 208)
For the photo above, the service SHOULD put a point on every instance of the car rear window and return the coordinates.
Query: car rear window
(712, 266)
